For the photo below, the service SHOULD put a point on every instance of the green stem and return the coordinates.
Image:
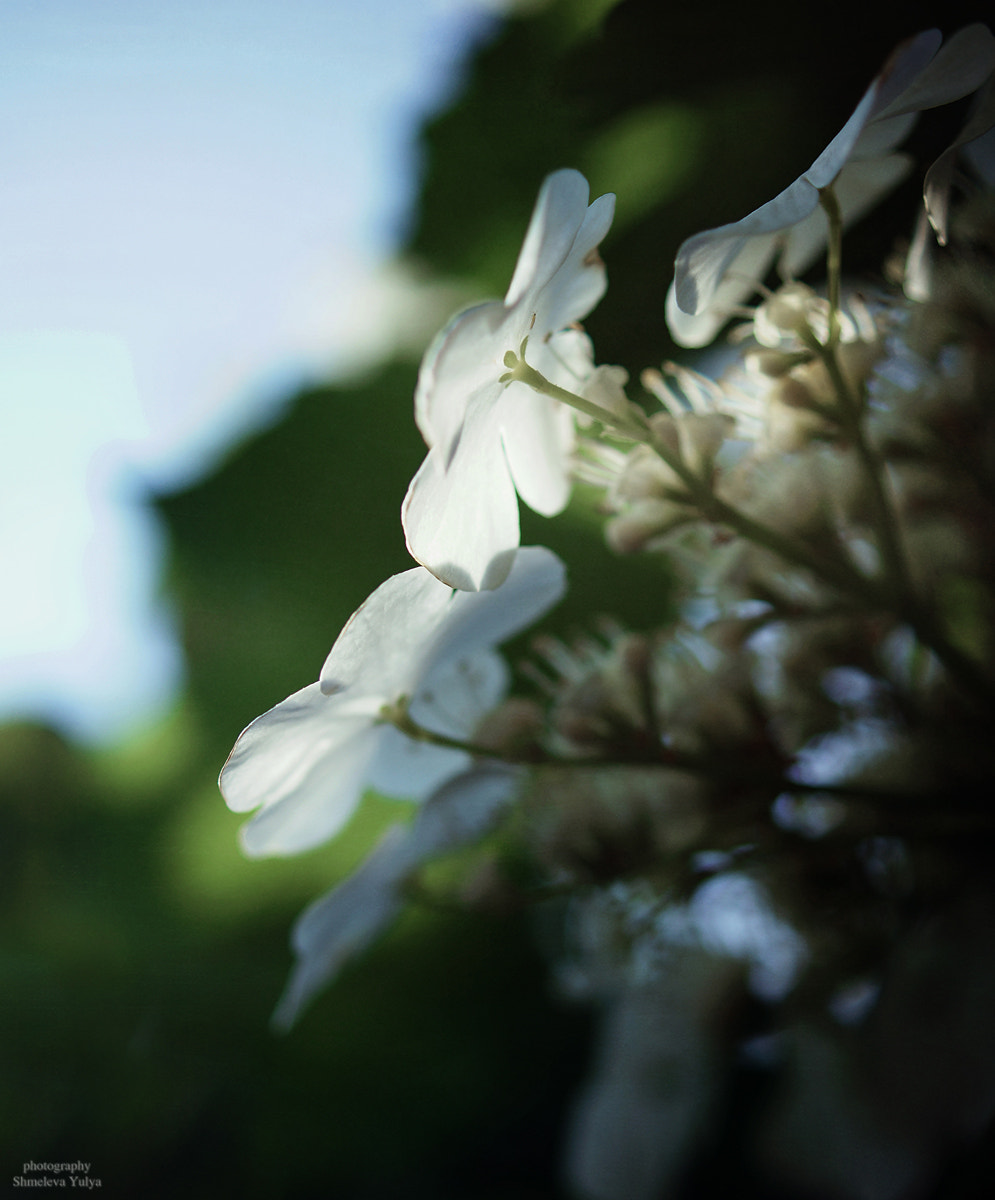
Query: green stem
(834, 258)
(519, 371)
(666, 759)
(851, 406)
(850, 416)
(399, 716)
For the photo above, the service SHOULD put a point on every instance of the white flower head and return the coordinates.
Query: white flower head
(306, 762)
(487, 439)
(720, 268)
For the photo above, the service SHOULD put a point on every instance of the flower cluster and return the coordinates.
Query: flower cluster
(808, 734)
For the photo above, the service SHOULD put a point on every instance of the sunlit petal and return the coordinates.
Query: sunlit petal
(409, 770)
(460, 517)
(456, 693)
(305, 773)
(373, 651)
(536, 582)
(460, 360)
(306, 762)
(559, 211)
(537, 434)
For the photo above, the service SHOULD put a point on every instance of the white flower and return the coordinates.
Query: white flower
(489, 440)
(306, 762)
(347, 919)
(720, 268)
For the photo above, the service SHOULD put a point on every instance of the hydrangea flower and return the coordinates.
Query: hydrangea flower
(487, 439)
(306, 762)
(346, 920)
(720, 268)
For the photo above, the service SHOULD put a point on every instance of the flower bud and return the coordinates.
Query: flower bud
(664, 428)
(513, 729)
(773, 363)
(791, 422)
(790, 312)
(643, 523)
(646, 476)
(701, 436)
(605, 386)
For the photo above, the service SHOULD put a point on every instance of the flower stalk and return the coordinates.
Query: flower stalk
(631, 426)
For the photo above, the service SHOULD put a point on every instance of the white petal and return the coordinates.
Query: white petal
(537, 434)
(863, 183)
(917, 283)
(460, 516)
(343, 922)
(559, 212)
(897, 75)
(346, 920)
(376, 651)
(458, 692)
(705, 259)
(304, 764)
(832, 160)
(743, 275)
(960, 67)
(566, 358)
(479, 619)
(462, 811)
(918, 75)
(408, 770)
(701, 264)
(903, 67)
(581, 281)
(245, 786)
(977, 140)
(882, 136)
(688, 329)
(465, 355)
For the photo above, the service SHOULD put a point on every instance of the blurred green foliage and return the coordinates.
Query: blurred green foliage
(141, 954)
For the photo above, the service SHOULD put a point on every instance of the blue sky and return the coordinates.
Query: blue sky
(193, 199)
